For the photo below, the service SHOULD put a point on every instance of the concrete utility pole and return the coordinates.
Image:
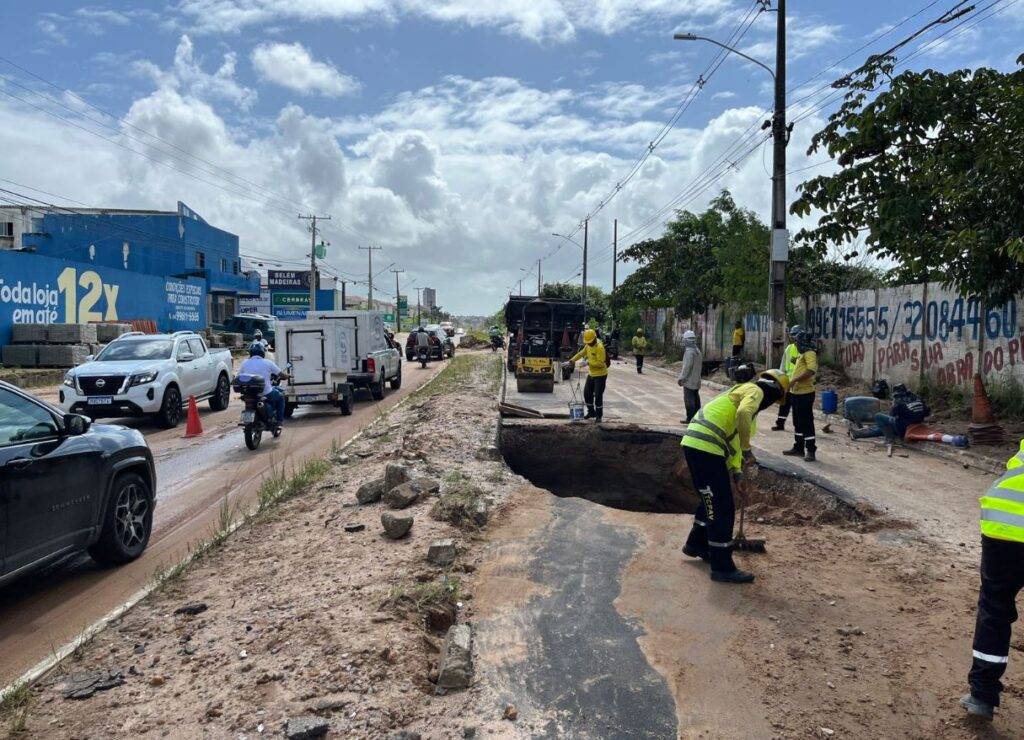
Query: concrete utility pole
(586, 232)
(369, 273)
(539, 285)
(615, 254)
(398, 309)
(417, 289)
(313, 281)
(343, 307)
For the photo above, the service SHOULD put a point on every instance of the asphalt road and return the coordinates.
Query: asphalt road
(46, 610)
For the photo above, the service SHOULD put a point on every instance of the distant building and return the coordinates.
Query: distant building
(429, 299)
(168, 244)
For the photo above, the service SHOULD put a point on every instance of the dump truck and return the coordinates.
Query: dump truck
(544, 332)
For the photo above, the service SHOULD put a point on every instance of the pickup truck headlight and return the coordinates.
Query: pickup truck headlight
(142, 378)
(69, 380)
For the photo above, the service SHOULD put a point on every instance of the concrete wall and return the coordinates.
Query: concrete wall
(906, 334)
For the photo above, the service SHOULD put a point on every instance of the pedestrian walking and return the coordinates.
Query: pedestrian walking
(739, 336)
(597, 374)
(787, 365)
(716, 447)
(801, 395)
(1002, 579)
(689, 375)
(639, 350)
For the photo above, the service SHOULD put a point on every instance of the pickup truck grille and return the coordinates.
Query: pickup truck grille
(91, 385)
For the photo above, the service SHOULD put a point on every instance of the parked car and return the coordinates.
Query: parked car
(441, 345)
(67, 484)
(149, 375)
(246, 324)
(449, 328)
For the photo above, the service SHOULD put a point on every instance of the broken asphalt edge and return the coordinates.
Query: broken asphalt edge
(57, 656)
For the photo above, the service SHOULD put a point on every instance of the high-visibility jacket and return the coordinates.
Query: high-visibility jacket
(788, 363)
(597, 359)
(724, 426)
(639, 345)
(1002, 506)
(804, 361)
(738, 335)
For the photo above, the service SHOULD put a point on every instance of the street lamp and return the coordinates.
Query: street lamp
(780, 135)
(586, 231)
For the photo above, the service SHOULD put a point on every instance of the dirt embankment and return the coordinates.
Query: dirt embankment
(294, 615)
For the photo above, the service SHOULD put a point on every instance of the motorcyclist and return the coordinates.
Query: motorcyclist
(259, 366)
(494, 331)
(422, 340)
(257, 338)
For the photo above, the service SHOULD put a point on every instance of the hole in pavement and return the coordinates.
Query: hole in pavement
(637, 469)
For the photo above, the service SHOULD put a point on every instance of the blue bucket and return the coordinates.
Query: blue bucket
(829, 401)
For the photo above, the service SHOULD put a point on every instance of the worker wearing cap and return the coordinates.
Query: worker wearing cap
(787, 365)
(801, 395)
(716, 446)
(597, 373)
(689, 375)
(1002, 579)
(639, 349)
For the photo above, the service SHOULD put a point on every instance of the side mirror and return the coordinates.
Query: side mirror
(76, 424)
(186, 357)
(90, 358)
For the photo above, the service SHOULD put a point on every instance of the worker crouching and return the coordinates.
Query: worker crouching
(597, 374)
(716, 447)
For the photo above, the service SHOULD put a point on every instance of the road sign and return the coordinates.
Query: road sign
(290, 300)
(295, 279)
(389, 318)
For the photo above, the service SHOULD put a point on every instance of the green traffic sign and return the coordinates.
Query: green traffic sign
(290, 300)
(403, 303)
(389, 318)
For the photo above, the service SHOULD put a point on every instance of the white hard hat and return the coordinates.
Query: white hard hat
(689, 335)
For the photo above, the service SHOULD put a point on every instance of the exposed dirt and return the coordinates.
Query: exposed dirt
(301, 616)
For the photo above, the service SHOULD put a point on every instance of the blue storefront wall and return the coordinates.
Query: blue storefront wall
(37, 289)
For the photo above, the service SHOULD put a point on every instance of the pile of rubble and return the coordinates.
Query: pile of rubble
(58, 345)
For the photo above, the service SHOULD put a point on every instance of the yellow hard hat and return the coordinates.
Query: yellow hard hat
(589, 336)
(779, 377)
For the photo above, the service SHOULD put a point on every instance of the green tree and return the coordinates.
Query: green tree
(597, 299)
(930, 178)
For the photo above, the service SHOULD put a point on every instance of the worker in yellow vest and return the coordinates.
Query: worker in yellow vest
(597, 374)
(787, 365)
(739, 336)
(716, 446)
(1002, 579)
(801, 394)
(639, 349)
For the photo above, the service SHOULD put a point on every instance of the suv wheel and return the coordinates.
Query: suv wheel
(377, 389)
(396, 382)
(127, 522)
(170, 412)
(221, 395)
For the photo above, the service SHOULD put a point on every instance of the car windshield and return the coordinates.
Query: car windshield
(137, 349)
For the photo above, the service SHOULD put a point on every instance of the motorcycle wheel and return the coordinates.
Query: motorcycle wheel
(253, 436)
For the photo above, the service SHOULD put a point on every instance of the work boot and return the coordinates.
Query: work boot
(809, 456)
(780, 426)
(733, 576)
(977, 708)
(692, 551)
(589, 414)
(794, 451)
(696, 545)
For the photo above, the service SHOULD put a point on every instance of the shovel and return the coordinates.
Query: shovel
(740, 542)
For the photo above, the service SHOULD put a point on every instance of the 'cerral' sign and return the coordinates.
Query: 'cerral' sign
(285, 279)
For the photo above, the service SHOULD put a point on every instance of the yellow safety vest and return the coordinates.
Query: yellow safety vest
(724, 426)
(639, 345)
(789, 359)
(597, 359)
(1002, 506)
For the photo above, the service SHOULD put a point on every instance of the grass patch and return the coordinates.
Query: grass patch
(442, 591)
(15, 704)
(456, 375)
(458, 502)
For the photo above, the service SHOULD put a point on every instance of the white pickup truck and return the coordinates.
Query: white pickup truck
(149, 375)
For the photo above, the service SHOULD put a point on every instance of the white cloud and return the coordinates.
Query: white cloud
(292, 66)
(724, 95)
(187, 74)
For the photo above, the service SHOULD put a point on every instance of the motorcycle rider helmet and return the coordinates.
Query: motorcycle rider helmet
(257, 349)
(257, 334)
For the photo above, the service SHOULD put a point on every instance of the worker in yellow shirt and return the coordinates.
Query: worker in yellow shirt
(739, 336)
(639, 349)
(597, 373)
(787, 365)
(801, 398)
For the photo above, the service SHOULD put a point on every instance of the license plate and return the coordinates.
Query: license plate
(248, 417)
(313, 397)
(100, 400)
(538, 363)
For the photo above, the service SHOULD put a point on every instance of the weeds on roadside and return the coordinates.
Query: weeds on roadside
(1007, 397)
(441, 591)
(15, 704)
(454, 377)
(459, 501)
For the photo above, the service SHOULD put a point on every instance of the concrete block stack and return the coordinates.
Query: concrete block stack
(50, 345)
(109, 331)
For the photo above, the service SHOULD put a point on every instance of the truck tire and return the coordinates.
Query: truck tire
(170, 413)
(377, 389)
(127, 521)
(345, 404)
(221, 394)
(396, 382)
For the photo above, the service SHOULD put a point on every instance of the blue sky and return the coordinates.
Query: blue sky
(457, 134)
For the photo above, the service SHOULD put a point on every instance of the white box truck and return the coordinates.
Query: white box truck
(317, 353)
(375, 359)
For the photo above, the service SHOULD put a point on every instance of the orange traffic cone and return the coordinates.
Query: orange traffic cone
(193, 427)
(983, 429)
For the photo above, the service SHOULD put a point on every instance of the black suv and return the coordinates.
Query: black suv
(67, 484)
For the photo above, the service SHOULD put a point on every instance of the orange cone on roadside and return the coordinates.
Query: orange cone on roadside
(193, 427)
(983, 428)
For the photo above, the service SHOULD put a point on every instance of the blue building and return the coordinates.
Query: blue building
(167, 244)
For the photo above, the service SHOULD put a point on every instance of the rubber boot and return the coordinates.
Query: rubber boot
(735, 576)
(794, 451)
(809, 455)
(977, 708)
(723, 569)
(589, 414)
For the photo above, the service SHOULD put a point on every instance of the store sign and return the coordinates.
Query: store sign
(42, 290)
(255, 305)
(288, 279)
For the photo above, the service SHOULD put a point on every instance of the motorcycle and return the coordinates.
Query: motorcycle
(257, 414)
(497, 342)
(423, 355)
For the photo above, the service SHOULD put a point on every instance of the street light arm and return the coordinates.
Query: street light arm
(568, 239)
(692, 37)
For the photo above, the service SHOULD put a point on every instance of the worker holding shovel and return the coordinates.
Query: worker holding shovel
(597, 373)
(716, 447)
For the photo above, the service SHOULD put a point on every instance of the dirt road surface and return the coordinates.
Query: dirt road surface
(46, 610)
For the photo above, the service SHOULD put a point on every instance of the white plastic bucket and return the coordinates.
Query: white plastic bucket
(575, 411)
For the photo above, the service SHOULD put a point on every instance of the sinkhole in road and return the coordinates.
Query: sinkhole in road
(640, 469)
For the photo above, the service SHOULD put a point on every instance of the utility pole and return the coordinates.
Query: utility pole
(539, 288)
(615, 254)
(418, 289)
(313, 281)
(586, 232)
(780, 235)
(520, 286)
(398, 309)
(343, 307)
(369, 285)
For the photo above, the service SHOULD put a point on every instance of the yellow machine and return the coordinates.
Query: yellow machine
(535, 375)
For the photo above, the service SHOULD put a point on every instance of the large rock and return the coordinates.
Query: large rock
(395, 475)
(371, 492)
(395, 526)
(401, 496)
(305, 726)
(441, 552)
(457, 658)
(426, 486)
(85, 684)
